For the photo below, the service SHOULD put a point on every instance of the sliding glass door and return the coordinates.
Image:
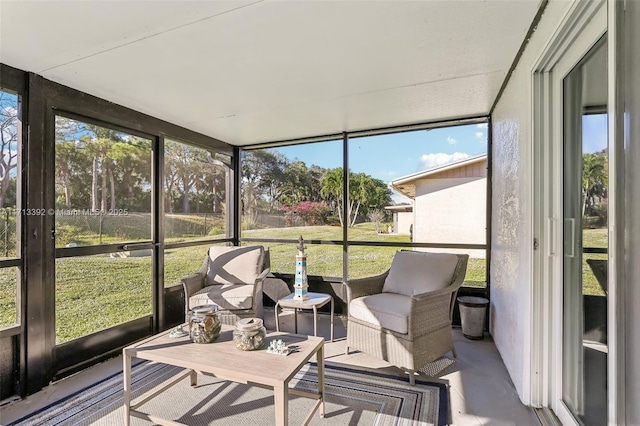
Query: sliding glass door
(585, 236)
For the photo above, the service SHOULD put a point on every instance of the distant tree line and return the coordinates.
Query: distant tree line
(272, 183)
(102, 169)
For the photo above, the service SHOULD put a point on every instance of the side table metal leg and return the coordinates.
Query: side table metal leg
(277, 318)
(295, 320)
(315, 320)
(332, 319)
(127, 389)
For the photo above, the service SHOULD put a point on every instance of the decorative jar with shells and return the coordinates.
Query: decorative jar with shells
(204, 324)
(249, 334)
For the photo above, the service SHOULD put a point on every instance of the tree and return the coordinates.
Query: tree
(594, 180)
(8, 141)
(131, 173)
(365, 193)
(181, 162)
(376, 216)
(117, 165)
(261, 178)
(65, 153)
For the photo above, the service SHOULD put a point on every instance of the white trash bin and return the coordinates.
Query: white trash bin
(472, 314)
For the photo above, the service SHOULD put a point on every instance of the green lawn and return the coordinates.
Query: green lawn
(96, 292)
(593, 238)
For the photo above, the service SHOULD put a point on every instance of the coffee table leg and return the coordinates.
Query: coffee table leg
(281, 400)
(295, 320)
(127, 388)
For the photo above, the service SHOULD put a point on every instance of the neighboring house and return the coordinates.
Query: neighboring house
(449, 203)
(402, 218)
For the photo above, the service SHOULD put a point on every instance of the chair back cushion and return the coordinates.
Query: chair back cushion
(415, 272)
(234, 265)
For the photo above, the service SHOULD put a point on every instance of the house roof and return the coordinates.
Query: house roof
(400, 208)
(248, 72)
(406, 184)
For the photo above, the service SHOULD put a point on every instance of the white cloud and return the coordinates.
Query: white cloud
(429, 161)
(479, 135)
(482, 125)
(451, 140)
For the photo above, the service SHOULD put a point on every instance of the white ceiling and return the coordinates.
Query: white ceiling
(247, 72)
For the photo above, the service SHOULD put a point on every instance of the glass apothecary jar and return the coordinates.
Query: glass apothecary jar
(249, 334)
(204, 324)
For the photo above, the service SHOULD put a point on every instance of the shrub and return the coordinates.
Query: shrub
(216, 230)
(248, 223)
(311, 213)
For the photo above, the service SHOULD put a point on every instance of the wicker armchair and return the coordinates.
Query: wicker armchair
(232, 278)
(404, 315)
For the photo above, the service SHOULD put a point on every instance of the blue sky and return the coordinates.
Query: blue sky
(388, 157)
(594, 133)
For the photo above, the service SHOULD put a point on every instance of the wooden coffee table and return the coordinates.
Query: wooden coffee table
(223, 360)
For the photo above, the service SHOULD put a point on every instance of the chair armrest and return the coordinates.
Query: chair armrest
(193, 283)
(258, 284)
(365, 286)
(432, 311)
(436, 294)
(263, 275)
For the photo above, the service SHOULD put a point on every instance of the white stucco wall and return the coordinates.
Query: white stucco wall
(512, 186)
(451, 210)
(403, 222)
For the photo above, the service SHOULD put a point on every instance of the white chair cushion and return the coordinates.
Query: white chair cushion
(228, 296)
(415, 272)
(234, 265)
(387, 310)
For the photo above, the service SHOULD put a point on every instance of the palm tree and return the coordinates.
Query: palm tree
(594, 180)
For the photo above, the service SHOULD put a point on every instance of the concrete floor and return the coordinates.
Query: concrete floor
(481, 392)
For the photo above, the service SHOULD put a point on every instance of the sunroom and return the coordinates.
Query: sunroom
(136, 135)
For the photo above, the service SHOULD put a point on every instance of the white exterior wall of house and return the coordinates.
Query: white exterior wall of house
(402, 223)
(512, 215)
(451, 210)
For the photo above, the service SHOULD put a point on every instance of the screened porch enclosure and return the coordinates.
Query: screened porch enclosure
(134, 204)
(135, 135)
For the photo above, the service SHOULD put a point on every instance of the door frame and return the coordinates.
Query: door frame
(583, 25)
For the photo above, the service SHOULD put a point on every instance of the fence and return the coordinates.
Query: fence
(8, 235)
(102, 228)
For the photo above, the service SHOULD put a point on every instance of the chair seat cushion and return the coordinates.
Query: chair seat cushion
(415, 272)
(387, 310)
(227, 296)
